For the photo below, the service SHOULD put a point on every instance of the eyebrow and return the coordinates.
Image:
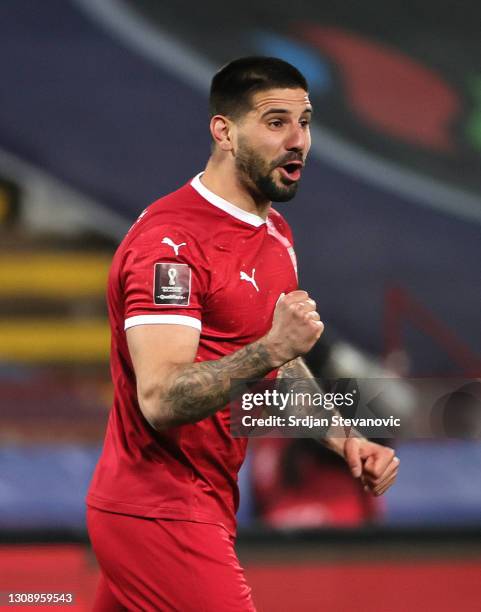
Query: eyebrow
(282, 111)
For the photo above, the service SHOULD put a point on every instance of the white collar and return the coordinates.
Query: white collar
(226, 206)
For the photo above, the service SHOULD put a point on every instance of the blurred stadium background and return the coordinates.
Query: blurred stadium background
(104, 108)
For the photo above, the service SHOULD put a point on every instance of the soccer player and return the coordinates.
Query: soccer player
(202, 291)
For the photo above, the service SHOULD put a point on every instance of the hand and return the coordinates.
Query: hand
(296, 327)
(376, 465)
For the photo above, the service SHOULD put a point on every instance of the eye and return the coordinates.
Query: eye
(275, 123)
(304, 122)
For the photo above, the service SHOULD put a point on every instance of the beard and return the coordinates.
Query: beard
(257, 175)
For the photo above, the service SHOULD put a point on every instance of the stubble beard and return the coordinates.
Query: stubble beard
(256, 175)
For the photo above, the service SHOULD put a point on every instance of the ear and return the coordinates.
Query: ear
(221, 130)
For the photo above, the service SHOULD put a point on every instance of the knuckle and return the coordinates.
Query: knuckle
(299, 294)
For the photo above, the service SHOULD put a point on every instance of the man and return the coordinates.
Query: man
(203, 291)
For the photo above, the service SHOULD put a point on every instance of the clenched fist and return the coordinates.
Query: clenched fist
(377, 466)
(296, 327)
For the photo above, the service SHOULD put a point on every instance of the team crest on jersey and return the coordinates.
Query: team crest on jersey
(172, 284)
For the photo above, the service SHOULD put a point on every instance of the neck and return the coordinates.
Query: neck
(221, 178)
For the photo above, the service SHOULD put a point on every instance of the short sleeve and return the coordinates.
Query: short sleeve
(164, 278)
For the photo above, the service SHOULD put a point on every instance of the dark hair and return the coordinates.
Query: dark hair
(234, 85)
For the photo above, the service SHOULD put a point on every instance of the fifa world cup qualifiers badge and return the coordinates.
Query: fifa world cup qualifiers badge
(172, 284)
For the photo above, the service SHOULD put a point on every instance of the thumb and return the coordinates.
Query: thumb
(353, 456)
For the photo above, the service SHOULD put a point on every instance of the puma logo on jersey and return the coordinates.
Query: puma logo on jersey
(249, 279)
(171, 243)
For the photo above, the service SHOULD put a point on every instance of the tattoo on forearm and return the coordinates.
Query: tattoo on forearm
(295, 376)
(200, 389)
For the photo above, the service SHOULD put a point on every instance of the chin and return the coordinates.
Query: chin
(287, 197)
(284, 194)
(281, 190)
(274, 189)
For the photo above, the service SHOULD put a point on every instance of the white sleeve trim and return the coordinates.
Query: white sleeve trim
(162, 319)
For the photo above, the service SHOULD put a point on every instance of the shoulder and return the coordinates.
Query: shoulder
(175, 217)
(279, 222)
(276, 218)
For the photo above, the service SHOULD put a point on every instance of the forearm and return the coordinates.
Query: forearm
(296, 377)
(195, 391)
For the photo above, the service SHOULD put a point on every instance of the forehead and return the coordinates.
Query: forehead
(288, 99)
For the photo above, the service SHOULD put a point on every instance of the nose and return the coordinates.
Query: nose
(297, 139)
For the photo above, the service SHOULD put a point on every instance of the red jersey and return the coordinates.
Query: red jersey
(191, 258)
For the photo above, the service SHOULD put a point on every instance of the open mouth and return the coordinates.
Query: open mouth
(291, 170)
